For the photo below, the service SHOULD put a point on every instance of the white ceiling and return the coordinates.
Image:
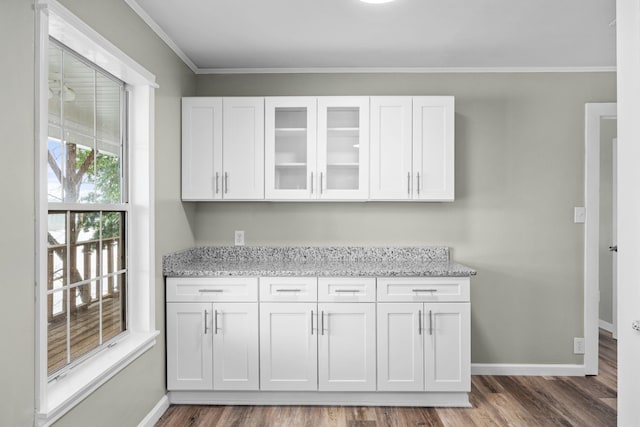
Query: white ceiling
(228, 35)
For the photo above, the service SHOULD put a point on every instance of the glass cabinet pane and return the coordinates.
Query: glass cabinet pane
(291, 148)
(343, 148)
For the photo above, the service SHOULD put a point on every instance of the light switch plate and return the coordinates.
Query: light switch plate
(579, 214)
(239, 237)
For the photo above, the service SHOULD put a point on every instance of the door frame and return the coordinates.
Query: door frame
(594, 112)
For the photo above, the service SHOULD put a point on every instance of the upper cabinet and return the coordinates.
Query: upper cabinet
(201, 148)
(317, 148)
(412, 148)
(343, 147)
(290, 148)
(222, 148)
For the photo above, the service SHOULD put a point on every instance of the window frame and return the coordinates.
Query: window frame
(53, 399)
(69, 209)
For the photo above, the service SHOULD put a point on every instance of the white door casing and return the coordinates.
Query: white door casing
(593, 114)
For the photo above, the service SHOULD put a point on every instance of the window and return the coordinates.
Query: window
(95, 261)
(86, 257)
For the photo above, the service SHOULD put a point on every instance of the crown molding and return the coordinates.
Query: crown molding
(407, 70)
(160, 32)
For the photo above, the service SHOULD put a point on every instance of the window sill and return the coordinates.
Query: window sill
(66, 392)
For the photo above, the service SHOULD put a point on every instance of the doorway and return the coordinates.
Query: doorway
(599, 276)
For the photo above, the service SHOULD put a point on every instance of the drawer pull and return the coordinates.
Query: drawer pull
(288, 290)
(210, 290)
(425, 290)
(347, 291)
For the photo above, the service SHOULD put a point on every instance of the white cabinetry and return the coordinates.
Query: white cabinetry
(212, 345)
(222, 148)
(288, 346)
(412, 148)
(201, 148)
(290, 148)
(317, 148)
(343, 147)
(347, 337)
(423, 346)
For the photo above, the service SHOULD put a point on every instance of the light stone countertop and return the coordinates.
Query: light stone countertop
(247, 261)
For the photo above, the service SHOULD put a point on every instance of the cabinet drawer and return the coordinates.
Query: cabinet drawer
(439, 289)
(241, 289)
(347, 289)
(289, 289)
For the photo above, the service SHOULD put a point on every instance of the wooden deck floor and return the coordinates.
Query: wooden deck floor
(84, 331)
(496, 400)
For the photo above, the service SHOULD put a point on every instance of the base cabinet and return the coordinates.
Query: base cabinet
(424, 347)
(341, 337)
(189, 347)
(347, 347)
(288, 346)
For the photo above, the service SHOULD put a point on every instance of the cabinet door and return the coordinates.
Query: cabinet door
(433, 148)
(390, 148)
(243, 148)
(189, 342)
(290, 148)
(201, 148)
(343, 147)
(288, 346)
(235, 346)
(400, 347)
(347, 347)
(448, 346)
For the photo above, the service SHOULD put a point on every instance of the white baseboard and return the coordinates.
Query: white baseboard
(544, 370)
(606, 326)
(154, 415)
(314, 398)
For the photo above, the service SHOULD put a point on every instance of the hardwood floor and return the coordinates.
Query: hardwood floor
(496, 400)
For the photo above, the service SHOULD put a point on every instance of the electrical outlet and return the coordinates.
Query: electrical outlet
(239, 237)
(578, 345)
(579, 215)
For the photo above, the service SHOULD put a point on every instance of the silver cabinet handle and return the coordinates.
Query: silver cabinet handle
(288, 290)
(206, 322)
(217, 186)
(339, 291)
(424, 290)
(322, 322)
(210, 290)
(321, 183)
(311, 322)
(419, 322)
(430, 322)
(418, 182)
(215, 323)
(409, 183)
(226, 182)
(311, 182)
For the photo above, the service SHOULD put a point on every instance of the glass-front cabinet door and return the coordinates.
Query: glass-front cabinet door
(290, 148)
(343, 147)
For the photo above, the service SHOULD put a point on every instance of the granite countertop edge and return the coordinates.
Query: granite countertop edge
(319, 262)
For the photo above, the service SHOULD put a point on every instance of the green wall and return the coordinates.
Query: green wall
(519, 173)
(129, 396)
